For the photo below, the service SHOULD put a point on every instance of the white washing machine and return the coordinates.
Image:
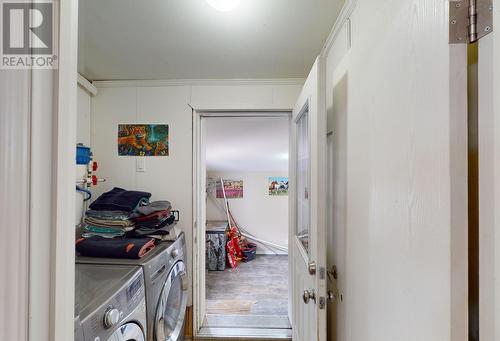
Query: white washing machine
(110, 303)
(166, 287)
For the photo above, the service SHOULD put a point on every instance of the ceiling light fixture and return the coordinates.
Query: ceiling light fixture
(224, 5)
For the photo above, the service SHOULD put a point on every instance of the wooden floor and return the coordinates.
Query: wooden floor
(259, 287)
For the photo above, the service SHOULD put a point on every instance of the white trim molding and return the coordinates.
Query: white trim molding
(52, 183)
(85, 84)
(244, 111)
(344, 15)
(199, 188)
(62, 255)
(15, 123)
(195, 82)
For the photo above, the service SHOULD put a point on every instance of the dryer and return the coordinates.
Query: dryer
(110, 303)
(166, 287)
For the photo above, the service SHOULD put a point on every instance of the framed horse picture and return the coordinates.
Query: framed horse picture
(278, 185)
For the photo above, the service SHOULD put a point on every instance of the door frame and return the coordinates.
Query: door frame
(199, 190)
(489, 181)
(52, 180)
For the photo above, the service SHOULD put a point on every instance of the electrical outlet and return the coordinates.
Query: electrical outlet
(140, 164)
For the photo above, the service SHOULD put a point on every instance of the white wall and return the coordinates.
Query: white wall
(168, 102)
(397, 189)
(84, 100)
(264, 216)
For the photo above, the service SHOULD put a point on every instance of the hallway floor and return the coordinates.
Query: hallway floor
(259, 287)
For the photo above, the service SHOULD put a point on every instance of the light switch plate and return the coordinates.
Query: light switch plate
(140, 164)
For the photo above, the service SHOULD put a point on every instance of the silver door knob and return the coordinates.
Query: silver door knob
(331, 296)
(309, 295)
(311, 267)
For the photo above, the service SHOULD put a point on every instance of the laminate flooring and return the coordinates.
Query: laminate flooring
(258, 288)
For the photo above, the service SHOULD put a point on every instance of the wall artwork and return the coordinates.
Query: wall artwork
(233, 188)
(278, 185)
(143, 140)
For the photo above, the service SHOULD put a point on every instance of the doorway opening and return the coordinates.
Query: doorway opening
(244, 164)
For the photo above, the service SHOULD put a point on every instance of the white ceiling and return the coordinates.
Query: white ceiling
(247, 144)
(186, 39)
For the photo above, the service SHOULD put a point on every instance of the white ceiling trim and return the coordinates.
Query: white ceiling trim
(85, 84)
(243, 113)
(343, 16)
(195, 82)
(242, 109)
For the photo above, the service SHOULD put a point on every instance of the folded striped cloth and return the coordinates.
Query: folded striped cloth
(108, 215)
(106, 232)
(108, 222)
(104, 235)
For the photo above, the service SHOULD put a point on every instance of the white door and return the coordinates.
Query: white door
(400, 150)
(307, 209)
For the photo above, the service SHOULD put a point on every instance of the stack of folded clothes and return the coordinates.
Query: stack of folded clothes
(107, 224)
(109, 215)
(153, 220)
(124, 224)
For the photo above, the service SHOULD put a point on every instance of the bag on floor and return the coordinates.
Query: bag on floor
(232, 253)
(249, 251)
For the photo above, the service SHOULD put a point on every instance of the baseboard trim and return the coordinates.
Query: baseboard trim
(247, 321)
(247, 334)
(267, 252)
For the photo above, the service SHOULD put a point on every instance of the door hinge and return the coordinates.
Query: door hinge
(470, 20)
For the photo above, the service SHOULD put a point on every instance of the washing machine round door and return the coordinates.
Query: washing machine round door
(171, 308)
(128, 332)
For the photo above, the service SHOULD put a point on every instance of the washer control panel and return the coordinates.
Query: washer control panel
(110, 315)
